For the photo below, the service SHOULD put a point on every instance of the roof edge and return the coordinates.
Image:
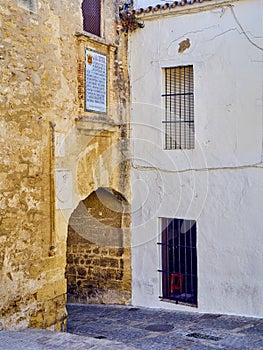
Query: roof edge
(190, 6)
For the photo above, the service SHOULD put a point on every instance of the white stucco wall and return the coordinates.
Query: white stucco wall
(220, 183)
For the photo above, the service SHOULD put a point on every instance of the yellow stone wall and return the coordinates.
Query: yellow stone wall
(40, 74)
(97, 268)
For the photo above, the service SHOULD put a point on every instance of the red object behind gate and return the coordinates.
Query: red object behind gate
(176, 282)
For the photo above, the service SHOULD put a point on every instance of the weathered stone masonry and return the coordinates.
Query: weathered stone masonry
(98, 265)
(39, 53)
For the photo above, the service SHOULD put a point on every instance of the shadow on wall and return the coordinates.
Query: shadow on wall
(98, 263)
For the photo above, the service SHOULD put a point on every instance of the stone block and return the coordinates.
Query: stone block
(81, 272)
(109, 262)
(55, 275)
(51, 290)
(71, 270)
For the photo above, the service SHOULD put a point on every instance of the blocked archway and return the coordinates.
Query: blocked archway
(98, 254)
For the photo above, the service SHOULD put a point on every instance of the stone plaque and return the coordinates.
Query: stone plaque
(96, 81)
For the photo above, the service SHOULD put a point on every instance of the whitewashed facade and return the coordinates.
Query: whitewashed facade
(219, 183)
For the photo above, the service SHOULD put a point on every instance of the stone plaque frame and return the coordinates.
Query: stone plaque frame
(96, 81)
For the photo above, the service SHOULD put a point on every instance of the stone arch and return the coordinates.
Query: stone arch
(98, 252)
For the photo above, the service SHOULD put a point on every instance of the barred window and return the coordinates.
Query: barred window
(91, 11)
(179, 261)
(179, 108)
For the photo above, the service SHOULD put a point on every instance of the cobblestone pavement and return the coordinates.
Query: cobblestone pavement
(152, 329)
(36, 339)
(100, 327)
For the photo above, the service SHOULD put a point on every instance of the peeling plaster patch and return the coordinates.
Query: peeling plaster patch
(184, 45)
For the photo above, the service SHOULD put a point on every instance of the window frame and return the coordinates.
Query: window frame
(177, 259)
(98, 31)
(178, 105)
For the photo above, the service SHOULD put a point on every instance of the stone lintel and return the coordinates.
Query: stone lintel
(96, 39)
(96, 125)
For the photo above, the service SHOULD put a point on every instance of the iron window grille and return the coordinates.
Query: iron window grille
(91, 11)
(179, 108)
(179, 261)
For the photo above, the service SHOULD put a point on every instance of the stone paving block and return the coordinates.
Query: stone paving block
(161, 342)
(152, 322)
(132, 315)
(256, 328)
(126, 335)
(200, 347)
(242, 342)
(173, 318)
(179, 316)
(103, 323)
(94, 328)
(71, 324)
(98, 310)
(83, 317)
(224, 322)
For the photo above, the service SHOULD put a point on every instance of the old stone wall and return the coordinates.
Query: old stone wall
(38, 86)
(95, 273)
(39, 54)
(98, 263)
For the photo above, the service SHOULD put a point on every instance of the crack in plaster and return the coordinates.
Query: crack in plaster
(223, 33)
(240, 32)
(242, 29)
(188, 33)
